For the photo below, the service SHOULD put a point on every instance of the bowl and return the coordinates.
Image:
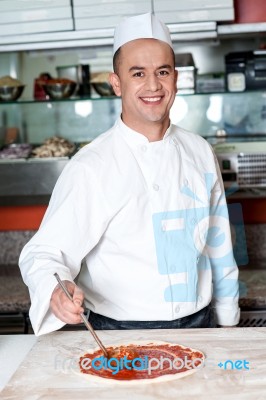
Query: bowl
(101, 85)
(57, 89)
(103, 88)
(11, 93)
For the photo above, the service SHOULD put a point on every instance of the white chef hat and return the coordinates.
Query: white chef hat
(140, 27)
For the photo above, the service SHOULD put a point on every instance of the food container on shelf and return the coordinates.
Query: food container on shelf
(10, 89)
(79, 73)
(101, 85)
(187, 71)
(38, 90)
(58, 89)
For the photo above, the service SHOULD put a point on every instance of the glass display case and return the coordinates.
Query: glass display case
(76, 119)
(83, 119)
(216, 115)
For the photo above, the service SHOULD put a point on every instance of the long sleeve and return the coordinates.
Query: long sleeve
(223, 264)
(73, 224)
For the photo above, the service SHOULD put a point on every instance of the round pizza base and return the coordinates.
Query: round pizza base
(163, 378)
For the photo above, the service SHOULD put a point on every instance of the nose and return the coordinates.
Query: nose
(153, 83)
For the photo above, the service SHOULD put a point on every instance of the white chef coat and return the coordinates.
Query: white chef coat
(134, 214)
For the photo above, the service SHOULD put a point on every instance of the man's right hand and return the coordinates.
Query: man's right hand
(63, 308)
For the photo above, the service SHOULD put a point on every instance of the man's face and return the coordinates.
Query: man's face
(146, 81)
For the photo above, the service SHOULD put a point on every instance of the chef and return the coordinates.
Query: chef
(137, 225)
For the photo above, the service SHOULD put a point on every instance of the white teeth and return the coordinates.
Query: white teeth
(151, 99)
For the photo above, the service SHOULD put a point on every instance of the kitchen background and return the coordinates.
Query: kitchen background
(223, 111)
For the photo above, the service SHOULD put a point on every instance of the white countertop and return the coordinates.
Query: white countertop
(13, 350)
(47, 371)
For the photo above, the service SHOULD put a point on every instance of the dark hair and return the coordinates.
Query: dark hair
(117, 59)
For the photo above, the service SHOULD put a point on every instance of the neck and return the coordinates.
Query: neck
(153, 131)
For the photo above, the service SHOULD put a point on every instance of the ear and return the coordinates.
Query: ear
(176, 76)
(115, 82)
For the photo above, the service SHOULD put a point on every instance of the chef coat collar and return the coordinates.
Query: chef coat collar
(135, 138)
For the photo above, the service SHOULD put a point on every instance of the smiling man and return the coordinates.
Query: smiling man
(145, 77)
(137, 225)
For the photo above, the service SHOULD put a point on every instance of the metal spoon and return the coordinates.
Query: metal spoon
(84, 319)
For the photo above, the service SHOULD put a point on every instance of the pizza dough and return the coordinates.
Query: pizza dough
(157, 361)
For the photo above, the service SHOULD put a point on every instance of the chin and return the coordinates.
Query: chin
(156, 118)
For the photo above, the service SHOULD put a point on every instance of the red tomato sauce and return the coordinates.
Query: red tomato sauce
(152, 362)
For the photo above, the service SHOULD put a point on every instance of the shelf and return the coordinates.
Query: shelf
(57, 40)
(181, 32)
(99, 37)
(46, 101)
(104, 98)
(238, 30)
(249, 193)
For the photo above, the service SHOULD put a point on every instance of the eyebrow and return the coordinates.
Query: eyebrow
(136, 68)
(165, 66)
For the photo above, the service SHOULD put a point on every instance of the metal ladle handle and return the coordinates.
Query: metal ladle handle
(84, 319)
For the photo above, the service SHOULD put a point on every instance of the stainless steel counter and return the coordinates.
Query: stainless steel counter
(31, 181)
(29, 178)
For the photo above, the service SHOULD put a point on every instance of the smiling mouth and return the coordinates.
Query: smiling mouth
(151, 100)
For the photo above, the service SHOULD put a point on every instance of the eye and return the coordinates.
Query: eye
(163, 72)
(138, 74)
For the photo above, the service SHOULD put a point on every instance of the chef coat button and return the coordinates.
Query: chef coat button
(185, 182)
(155, 187)
(144, 148)
(200, 299)
(177, 309)
(173, 268)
